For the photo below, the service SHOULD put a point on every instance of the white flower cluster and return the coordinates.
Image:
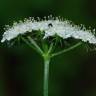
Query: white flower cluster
(51, 27)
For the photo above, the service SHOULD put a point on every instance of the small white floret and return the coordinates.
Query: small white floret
(51, 27)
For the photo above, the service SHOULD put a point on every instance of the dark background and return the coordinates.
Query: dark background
(21, 69)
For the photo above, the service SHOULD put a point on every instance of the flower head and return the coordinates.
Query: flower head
(50, 27)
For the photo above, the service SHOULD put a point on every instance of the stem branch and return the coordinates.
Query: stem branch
(35, 45)
(66, 50)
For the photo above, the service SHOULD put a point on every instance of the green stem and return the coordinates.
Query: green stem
(66, 50)
(35, 45)
(28, 43)
(46, 76)
(50, 48)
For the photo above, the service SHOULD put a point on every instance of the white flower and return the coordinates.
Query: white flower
(51, 27)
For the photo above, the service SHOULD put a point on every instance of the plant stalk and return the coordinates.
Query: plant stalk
(46, 76)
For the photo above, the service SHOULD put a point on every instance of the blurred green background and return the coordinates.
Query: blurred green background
(21, 69)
